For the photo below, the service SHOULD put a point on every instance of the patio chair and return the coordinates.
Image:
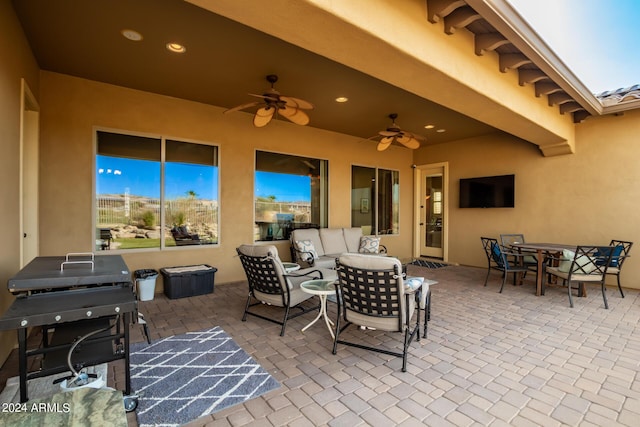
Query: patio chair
(374, 296)
(507, 240)
(620, 253)
(498, 258)
(588, 264)
(182, 236)
(269, 284)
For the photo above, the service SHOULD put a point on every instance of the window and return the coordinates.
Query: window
(290, 192)
(135, 211)
(375, 199)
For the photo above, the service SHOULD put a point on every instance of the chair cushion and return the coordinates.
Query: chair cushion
(574, 277)
(615, 257)
(326, 261)
(309, 234)
(370, 262)
(369, 245)
(259, 250)
(306, 246)
(352, 238)
(264, 251)
(333, 240)
(584, 264)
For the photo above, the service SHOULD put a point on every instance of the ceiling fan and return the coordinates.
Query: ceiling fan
(275, 104)
(394, 133)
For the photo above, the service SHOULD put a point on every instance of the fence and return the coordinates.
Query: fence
(135, 210)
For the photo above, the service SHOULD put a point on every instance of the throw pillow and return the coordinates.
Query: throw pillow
(309, 251)
(413, 283)
(615, 257)
(583, 264)
(496, 254)
(369, 245)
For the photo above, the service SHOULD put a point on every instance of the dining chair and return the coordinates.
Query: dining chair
(498, 258)
(374, 296)
(508, 240)
(271, 286)
(588, 264)
(620, 253)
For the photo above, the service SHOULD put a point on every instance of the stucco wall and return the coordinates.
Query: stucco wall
(13, 45)
(589, 197)
(71, 107)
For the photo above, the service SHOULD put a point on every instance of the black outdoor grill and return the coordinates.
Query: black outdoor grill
(78, 295)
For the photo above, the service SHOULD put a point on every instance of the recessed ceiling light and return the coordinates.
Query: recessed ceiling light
(342, 99)
(441, 130)
(176, 47)
(429, 126)
(131, 35)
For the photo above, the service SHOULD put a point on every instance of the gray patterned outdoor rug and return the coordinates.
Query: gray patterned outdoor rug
(428, 264)
(185, 377)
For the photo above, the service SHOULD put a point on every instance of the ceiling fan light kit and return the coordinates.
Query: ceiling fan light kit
(276, 105)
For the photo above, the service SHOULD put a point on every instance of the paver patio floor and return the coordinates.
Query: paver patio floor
(490, 359)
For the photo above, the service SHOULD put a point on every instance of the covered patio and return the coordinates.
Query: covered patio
(489, 359)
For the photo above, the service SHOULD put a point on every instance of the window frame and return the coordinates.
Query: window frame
(163, 138)
(376, 208)
(323, 211)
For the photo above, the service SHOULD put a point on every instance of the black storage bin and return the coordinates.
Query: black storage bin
(187, 281)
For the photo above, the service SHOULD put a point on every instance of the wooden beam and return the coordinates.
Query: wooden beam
(460, 18)
(559, 98)
(570, 107)
(437, 9)
(530, 76)
(546, 88)
(509, 61)
(580, 116)
(489, 41)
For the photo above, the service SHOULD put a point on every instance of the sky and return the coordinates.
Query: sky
(115, 175)
(594, 38)
(142, 178)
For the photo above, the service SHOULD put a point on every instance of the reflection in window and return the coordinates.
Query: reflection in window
(134, 211)
(290, 192)
(375, 200)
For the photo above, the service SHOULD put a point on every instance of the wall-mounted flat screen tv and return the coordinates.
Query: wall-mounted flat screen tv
(488, 192)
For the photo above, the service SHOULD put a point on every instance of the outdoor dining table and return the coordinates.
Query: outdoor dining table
(541, 250)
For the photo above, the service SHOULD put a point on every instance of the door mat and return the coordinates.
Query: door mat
(185, 377)
(428, 264)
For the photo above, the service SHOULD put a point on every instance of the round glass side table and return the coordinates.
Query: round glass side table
(322, 288)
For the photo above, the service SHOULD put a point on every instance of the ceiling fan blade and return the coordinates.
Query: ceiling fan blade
(385, 143)
(415, 136)
(297, 103)
(242, 107)
(295, 115)
(263, 116)
(270, 98)
(387, 133)
(409, 142)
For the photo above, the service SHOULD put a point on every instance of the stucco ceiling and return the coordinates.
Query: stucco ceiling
(224, 62)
